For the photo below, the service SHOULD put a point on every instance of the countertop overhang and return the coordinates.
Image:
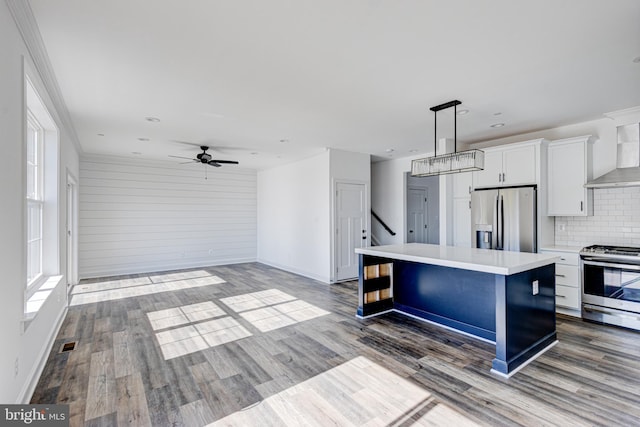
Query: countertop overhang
(484, 260)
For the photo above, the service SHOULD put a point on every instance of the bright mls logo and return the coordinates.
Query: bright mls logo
(34, 415)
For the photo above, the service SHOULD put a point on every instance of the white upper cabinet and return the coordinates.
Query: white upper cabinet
(569, 170)
(508, 166)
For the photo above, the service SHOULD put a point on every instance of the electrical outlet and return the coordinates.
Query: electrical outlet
(535, 287)
(15, 374)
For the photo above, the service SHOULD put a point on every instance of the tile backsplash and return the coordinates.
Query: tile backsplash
(615, 220)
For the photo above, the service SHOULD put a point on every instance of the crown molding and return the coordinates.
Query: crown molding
(26, 23)
(626, 116)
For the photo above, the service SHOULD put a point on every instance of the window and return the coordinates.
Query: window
(35, 199)
(41, 176)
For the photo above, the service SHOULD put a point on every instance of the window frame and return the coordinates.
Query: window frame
(35, 200)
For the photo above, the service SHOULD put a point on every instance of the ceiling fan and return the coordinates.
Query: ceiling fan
(206, 158)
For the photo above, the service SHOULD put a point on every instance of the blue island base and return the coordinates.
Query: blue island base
(516, 312)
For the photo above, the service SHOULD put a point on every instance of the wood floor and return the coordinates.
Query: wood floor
(252, 345)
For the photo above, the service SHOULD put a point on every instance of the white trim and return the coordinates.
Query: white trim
(333, 223)
(529, 360)
(33, 377)
(72, 279)
(306, 274)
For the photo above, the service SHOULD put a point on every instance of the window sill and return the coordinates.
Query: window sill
(37, 300)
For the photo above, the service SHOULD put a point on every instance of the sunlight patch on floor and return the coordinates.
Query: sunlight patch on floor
(272, 309)
(89, 294)
(200, 332)
(358, 392)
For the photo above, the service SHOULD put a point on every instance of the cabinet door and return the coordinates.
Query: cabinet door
(490, 176)
(462, 222)
(462, 184)
(567, 175)
(519, 166)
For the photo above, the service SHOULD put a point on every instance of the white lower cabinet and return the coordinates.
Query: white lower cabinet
(568, 281)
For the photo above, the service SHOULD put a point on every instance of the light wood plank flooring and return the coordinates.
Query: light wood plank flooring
(252, 345)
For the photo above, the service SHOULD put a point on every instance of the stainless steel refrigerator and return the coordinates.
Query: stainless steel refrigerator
(504, 219)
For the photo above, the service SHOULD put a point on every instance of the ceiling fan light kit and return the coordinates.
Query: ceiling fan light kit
(464, 161)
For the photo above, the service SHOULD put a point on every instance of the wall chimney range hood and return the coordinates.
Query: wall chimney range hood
(627, 171)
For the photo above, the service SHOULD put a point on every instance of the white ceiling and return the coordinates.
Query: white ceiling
(357, 75)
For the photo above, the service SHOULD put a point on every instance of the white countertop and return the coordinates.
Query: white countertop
(484, 260)
(561, 248)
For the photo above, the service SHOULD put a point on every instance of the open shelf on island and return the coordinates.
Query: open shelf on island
(377, 285)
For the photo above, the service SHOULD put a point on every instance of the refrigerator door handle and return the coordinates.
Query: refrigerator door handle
(496, 221)
(501, 222)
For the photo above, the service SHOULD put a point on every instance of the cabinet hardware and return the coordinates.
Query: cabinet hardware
(469, 204)
(581, 206)
(560, 275)
(560, 296)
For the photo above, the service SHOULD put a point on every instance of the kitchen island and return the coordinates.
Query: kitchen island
(507, 298)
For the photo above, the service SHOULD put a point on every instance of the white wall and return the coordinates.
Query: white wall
(29, 348)
(295, 211)
(141, 216)
(294, 217)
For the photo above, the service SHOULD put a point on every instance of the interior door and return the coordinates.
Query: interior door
(72, 197)
(351, 227)
(417, 215)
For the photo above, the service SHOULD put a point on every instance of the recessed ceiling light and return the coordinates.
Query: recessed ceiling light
(413, 151)
(136, 152)
(101, 134)
(636, 59)
(152, 119)
(497, 114)
(143, 139)
(284, 141)
(254, 153)
(462, 112)
(497, 125)
(389, 150)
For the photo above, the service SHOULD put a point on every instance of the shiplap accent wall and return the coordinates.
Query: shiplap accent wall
(143, 216)
(615, 220)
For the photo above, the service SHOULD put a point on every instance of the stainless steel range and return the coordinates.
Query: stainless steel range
(611, 285)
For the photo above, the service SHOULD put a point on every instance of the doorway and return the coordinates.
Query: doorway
(351, 227)
(422, 208)
(417, 215)
(71, 228)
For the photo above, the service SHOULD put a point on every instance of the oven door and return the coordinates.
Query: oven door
(612, 285)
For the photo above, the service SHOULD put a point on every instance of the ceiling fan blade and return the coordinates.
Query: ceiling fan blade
(180, 157)
(229, 162)
(214, 164)
(184, 163)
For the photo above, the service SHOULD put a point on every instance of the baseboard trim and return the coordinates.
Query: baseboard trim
(33, 378)
(325, 280)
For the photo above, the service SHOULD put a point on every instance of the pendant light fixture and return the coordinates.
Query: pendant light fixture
(464, 161)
